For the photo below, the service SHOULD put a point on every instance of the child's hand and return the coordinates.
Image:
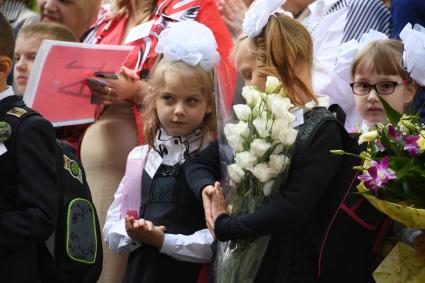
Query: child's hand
(420, 246)
(206, 201)
(144, 231)
(218, 206)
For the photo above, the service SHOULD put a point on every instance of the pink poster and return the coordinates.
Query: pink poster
(57, 87)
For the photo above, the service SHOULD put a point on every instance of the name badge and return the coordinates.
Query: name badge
(153, 162)
(3, 149)
(299, 117)
(139, 31)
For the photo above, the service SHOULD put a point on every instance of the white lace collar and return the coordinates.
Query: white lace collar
(176, 149)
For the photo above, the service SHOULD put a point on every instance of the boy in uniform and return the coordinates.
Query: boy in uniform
(28, 194)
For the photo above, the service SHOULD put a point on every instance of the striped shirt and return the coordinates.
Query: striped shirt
(331, 23)
(17, 14)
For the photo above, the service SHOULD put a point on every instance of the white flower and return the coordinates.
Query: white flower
(279, 106)
(288, 136)
(251, 95)
(262, 172)
(278, 163)
(278, 126)
(259, 147)
(272, 84)
(235, 134)
(262, 125)
(267, 188)
(246, 160)
(278, 149)
(368, 136)
(236, 173)
(242, 111)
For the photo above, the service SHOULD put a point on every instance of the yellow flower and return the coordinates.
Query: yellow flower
(368, 137)
(421, 141)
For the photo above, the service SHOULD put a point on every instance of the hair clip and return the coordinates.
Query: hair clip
(414, 52)
(258, 15)
(190, 42)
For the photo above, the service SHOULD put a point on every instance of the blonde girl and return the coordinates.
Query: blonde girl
(155, 216)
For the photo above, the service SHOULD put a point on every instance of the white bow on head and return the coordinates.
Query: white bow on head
(348, 50)
(258, 15)
(190, 42)
(414, 52)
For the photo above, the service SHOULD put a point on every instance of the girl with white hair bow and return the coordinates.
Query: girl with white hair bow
(396, 78)
(153, 208)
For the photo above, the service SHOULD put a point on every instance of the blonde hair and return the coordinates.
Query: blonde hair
(383, 57)
(283, 45)
(190, 77)
(48, 30)
(144, 7)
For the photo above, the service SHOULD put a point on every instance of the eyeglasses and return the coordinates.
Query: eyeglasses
(382, 88)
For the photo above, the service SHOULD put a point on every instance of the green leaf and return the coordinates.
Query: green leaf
(405, 169)
(392, 114)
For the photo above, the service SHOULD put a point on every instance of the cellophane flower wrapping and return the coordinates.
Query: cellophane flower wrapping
(393, 172)
(256, 145)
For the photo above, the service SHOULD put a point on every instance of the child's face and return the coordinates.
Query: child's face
(245, 62)
(180, 110)
(63, 12)
(369, 105)
(26, 48)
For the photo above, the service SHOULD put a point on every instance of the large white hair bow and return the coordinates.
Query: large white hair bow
(258, 15)
(414, 52)
(190, 42)
(348, 50)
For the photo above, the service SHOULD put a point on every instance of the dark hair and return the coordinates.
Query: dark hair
(7, 42)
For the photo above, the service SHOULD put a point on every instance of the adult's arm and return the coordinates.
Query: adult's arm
(308, 180)
(34, 218)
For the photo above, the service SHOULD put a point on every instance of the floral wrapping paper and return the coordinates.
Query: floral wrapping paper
(400, 266)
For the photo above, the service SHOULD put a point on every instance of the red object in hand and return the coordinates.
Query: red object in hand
(133, 213)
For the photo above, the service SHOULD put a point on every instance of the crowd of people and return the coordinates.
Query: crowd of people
(151, 157)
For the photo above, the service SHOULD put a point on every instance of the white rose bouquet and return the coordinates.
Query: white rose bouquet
(261, 139)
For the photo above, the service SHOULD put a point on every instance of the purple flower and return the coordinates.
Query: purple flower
(379, 144)
(378, 175)
(411, 145)
(393, 133)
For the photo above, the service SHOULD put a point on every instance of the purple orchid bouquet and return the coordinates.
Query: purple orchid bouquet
(393, 170)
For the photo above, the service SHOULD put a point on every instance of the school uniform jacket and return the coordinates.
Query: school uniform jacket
(28, 197)
(165, 200)
(297, 219)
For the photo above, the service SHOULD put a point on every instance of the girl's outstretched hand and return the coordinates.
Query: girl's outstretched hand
(206, 201)
(218, 206)
(144, 231)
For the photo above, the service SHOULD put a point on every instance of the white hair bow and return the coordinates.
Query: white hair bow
(414, 52)
(348, 50)
(258, 15)
(190, 42)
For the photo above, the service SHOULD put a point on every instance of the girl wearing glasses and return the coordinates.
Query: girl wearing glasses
(394, 70)
(377, 70)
